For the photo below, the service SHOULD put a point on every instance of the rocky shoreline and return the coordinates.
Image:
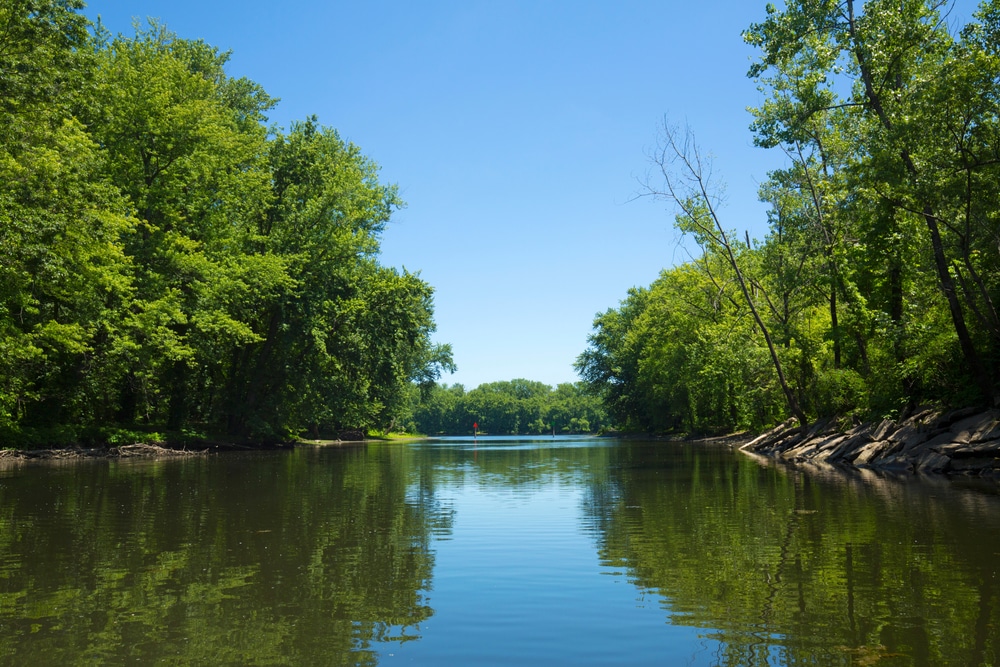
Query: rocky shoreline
(957, 442)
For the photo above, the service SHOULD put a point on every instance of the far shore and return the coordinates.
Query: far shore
(927, 440)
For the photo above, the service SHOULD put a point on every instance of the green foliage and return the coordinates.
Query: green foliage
(610, 366)
(698, 367)
(878, 280)
(510, 407)
(168, 261)
(841, 391)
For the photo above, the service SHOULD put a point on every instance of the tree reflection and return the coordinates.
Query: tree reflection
(324, 556)
(214, 562)
(788, 568)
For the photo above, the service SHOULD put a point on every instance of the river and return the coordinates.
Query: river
(496, 551)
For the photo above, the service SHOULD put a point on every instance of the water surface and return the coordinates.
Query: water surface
(494, 551)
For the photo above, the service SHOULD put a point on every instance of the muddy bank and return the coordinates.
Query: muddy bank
(138, 450)
(164, 450)
(963, 442)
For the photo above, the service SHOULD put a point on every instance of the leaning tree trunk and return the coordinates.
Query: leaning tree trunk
(945, 280)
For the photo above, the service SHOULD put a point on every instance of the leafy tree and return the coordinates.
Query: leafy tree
(610, 364)
(44, 64)
(506, 407)
(64, 279)
(435, 409)
(919, 121)
(169, 261)
(692, 191)
(570, 408)
(181, 149)
(875, 288)
(338, 345)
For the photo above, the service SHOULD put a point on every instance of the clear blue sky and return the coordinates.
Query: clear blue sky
(517, 131)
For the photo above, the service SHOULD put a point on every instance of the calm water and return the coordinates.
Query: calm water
(496, 552)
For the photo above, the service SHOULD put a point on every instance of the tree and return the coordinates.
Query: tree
(336, 346)
(692, 191)
(169, 261)
(609, 366)
(875, 288)
(186, 146)
(919, 115)
(505, 407)
(64, 279)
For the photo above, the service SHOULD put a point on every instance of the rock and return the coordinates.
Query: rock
(788, 441)
(849, 447)
(873, 451)
(955, 449)
(970, 450)
(768, 438)
(989, 428)
(991, 447)
(895, 463)
(956, 416)
(931, 461)
(830, 442)
(940, 441)
(811, 448)
(883, 430)
(963, 441)
(910, 434)
(958, 437)
(974, 464)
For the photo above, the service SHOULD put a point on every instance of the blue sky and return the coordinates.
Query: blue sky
(517, 131)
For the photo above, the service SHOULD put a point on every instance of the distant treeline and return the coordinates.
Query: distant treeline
(501, 408)
(876, 288)
(169, 261)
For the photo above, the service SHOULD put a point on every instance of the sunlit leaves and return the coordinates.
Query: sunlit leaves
(169, 260)
(877, 278)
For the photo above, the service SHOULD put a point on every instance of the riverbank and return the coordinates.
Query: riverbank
(164, 450)
(137, 450)
(965, 442)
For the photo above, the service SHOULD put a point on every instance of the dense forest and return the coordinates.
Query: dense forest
(876, 287)
(502, 408)
(169, 261)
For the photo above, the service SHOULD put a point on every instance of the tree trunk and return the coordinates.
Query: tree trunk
(945, 280)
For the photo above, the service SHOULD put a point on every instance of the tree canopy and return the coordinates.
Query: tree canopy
(876, 286)
(502, 408)
(168, 261)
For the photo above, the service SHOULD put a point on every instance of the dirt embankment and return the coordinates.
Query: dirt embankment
(153, 450)
(955, 442)
(138, 450)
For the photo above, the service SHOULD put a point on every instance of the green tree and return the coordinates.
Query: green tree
(693, 191)
(335, 348)
(186, 146)
(435, 409)
(921, 131)
(64, 279)
(610, 365)
(506, 407)
(169, 261)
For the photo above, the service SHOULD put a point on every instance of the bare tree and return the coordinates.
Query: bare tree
(687, 181)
